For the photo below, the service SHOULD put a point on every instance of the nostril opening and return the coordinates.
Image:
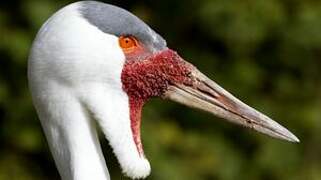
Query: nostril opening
(208, 93)
(206, 89)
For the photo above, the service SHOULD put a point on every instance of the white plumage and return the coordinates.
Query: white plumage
(74, 72)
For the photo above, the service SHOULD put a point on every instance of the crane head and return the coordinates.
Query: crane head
(114, 62)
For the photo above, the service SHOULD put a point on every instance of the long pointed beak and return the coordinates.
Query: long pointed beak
(206, 95)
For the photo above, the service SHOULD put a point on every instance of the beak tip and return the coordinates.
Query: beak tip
(294, 139)
(274, 129)
(291, 138)
(288, 136)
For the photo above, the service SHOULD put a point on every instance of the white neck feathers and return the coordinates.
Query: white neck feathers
(75, 71)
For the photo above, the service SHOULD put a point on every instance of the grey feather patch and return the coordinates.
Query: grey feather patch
(114, 20)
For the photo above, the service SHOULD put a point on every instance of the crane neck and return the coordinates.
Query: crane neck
(71, 136)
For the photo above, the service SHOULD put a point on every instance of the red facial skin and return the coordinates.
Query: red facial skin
(151, 77)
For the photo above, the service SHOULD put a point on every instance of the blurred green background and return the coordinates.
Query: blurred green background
(266, 52)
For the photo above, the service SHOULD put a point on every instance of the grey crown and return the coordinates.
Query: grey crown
(114, 20)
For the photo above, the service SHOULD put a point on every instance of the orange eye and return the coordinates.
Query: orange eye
(127, 43)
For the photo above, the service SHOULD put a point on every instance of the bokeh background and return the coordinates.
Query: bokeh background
(266, 52)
